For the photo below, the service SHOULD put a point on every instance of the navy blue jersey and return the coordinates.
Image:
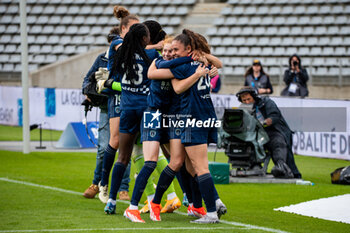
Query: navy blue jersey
(112, 52)
(134, 95)
(161, 91)
(196, 101)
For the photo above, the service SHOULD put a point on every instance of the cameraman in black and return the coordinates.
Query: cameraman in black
(295, 78)
(268, 114)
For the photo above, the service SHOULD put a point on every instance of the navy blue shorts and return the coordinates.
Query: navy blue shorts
(130, 121)
(152, 127)
(196, 136)
(114, 106)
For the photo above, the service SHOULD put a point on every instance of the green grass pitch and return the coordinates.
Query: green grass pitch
(28, 208)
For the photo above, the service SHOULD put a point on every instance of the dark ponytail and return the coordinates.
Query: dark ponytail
(155, 30)
(133, 43)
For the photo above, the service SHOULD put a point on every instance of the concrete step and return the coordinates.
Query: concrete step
(208, 8)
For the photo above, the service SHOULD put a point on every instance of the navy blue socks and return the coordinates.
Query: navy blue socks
(141, 181)
(196, 193)
(206, 186)
(108, 160)
(117, 177)
(165, 179)
(186, 183)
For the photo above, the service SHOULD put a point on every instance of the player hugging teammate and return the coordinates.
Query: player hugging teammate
(176, 85)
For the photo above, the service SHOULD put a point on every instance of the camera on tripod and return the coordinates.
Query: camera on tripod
(243, 139)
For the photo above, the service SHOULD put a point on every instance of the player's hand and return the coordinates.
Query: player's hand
(196, 54)
(202, 70)
(268, 121)
(213, 72)
(101, 74)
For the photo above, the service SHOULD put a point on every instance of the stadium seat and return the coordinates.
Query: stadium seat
(251, 10)
(287, 10)
(228, 41)
(255, 51)
(230, 21)
(170, 10)
(275, 10)
(4, 57)
(263, 41)
(267, 51)
(283, 31)
(34, 48)
(340, 51)
(5, 39)
(237, 10)
(226, 11)
(216, 41)
(82, 49)
(8, 67)
(39, 59)
(41, 39)
(251, 41)
(282, 20)
(315, 51)
(181, 10)
(164, 2)
(243, 51)
(275, 41)
(85, 10)
(254, 20)
(15, 58)
(247, 31)
(303, 51)
(279, 51)
(337, 9)
(169, 30)
(223, 31)
(328, 51)
(342, 19)
(231, 51)
(271, 31)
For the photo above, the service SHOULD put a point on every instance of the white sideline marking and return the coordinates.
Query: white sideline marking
(246, 226)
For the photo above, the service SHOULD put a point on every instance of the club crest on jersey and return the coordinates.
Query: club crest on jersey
(152, 133)
(177, 132)
(152, 120)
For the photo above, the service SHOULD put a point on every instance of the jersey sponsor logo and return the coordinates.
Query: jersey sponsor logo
(165, 85)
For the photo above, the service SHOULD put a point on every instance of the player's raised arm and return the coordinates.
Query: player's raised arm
(154, 73)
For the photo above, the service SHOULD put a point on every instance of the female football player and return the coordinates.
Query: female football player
(195, 104)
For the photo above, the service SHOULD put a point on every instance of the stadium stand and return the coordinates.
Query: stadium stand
(238, 31)
(273, 30)
(61, 28)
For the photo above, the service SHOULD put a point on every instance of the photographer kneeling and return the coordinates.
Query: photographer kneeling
(280, 145)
